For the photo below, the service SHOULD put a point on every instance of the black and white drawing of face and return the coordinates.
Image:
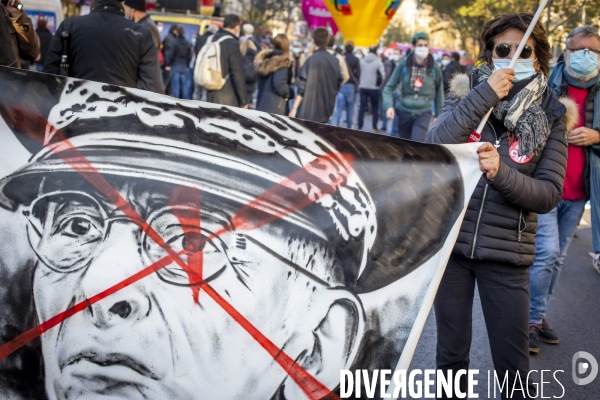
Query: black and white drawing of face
(161, 337)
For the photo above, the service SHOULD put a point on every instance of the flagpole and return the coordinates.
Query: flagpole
(526, 36)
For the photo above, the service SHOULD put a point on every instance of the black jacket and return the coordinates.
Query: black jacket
(45, 37)
(201, 41)
(353, 64)
(105, 46)
(179, 53)
(501, 219)
(233, 93)
(318, 81)
(274, 71)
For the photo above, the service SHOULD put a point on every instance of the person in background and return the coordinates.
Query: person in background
(17, 36)
(274, 70)
(422, 89)
(389, 63)
(233, 93)
(450, 67)
(319, 81)
(178, 59)
(340, 58)
(210, 30)
(45, 37)
(577, 77)
(523, 157)
(135, 10)
(359, 54)
(347, 93)
(299, 57)
(166, 72)
(97, 57)
(372, 74)
(249, 50)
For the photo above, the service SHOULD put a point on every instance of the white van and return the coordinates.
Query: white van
(50, 10)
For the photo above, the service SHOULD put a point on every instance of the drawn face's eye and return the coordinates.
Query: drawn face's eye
(80, 227)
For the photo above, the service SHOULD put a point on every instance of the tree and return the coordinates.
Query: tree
(262, 13)
(395, 32)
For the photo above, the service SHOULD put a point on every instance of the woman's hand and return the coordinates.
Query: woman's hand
(489, 160)
(501, 81)
(389, 113)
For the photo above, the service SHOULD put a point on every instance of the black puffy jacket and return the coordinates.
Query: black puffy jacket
(105, 46)
(274, 71)
(501, 220)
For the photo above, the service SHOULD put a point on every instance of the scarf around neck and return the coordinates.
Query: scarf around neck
(523, 114)
(555, 82)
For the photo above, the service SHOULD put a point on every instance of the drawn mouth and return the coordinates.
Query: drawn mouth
(111, 359)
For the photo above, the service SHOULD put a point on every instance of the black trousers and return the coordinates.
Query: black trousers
(373, 95)
(504, 293)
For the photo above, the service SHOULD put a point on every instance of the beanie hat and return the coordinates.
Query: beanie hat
(139, 5)
(417, 36)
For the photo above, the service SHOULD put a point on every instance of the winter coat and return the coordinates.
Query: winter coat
(233, 93)
(105, 46)
(45, 37)
(319, 81)
(201, 41)
(180, 53)
(274, 71)
(353, 64)
(369, 66)
(388, 66)
(17, 39)
(411, 101)
(589, 123)
(249, 51)
(452, 69)
(501, 219)
(148, 23)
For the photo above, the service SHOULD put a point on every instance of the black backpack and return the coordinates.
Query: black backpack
(249, 71)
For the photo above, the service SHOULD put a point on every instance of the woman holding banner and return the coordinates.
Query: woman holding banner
(523, 157)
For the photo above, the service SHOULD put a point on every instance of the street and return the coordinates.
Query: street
(573, 313)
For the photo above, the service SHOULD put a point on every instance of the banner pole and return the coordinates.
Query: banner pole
(526, 36)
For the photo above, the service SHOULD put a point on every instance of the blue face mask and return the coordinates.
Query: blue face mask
(583, 62)
(395, 58)
(523, 68)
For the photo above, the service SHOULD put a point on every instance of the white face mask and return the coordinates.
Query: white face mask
(422, 52)
(445, 62)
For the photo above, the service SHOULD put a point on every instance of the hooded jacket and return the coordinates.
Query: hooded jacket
(274, 71)
(369, 66)
(105, 46)
(501, 219)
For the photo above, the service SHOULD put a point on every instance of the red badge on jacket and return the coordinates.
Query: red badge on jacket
(513, 152)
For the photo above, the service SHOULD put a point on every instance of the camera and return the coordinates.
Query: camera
(17, 5)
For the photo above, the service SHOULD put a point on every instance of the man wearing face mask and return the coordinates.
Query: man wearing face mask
(422, 89)
(104, 46)
(135, 10)
(577, 77)
(450, 67)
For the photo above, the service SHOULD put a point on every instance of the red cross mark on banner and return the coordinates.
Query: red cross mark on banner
(247, 218)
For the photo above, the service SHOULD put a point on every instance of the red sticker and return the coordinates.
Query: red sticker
(418, 83)
(513, 152)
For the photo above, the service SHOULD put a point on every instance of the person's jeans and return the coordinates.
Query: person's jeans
(554, 234)
(413, 126)
(345, 100)
(181, 82)
(595, 198)
(373, 96)
(504, 293)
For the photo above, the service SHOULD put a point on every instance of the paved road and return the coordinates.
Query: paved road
(574, 312)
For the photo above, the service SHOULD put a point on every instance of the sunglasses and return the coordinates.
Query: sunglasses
(503, 50)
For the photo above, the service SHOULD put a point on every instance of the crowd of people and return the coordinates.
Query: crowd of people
(540, 152)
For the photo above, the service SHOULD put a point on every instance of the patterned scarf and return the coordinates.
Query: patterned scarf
(523, 114)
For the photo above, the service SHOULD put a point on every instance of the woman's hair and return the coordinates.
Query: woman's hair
(521, 22)
(282, 43)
